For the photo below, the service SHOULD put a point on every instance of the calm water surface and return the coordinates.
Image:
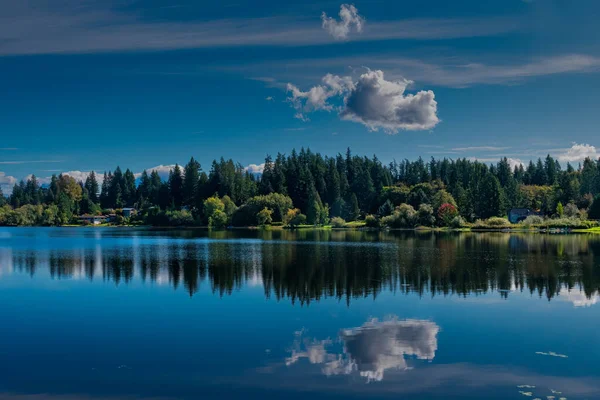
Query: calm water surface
(122, 313)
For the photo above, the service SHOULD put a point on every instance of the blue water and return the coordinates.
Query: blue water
(186, 314)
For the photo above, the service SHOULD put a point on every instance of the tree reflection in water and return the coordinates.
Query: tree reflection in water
(309, 265)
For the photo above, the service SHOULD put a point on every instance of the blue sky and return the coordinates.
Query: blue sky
(89, 85)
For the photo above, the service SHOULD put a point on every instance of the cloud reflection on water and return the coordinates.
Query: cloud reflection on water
(372, 348)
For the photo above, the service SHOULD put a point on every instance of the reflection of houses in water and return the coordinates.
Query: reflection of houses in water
(371, 349)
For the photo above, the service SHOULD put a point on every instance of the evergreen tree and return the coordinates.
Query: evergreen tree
(129, 190)
(266, 179)
(104, 192)
(191, 178)
(91, 184)
(352, 210)
(156, 192)
(144, 190)
(491, 201)
(176, 187)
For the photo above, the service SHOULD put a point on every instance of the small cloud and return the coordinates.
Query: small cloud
(301, 117)
(255, 168)
(79, 176)
(371, 101)
(163, 171)
(480, 148)
(377, 103)
(579, 299)
(371, 349)
(514, 162)
(579, 152)
(40, 180)
(269, 98)
(349, 19)
(334, 133)
(551, 354)
(7, 182)
(29, 162)
(294, 129)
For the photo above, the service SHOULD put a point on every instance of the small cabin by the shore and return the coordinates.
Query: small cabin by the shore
(517, 215)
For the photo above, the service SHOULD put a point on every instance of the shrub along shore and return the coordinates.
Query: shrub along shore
(305, 189)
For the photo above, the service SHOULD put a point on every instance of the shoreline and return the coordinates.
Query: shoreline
(357, 227)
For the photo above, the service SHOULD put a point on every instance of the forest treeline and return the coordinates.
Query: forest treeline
(307, 188)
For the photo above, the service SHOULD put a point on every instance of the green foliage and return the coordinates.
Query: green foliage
(212, 205)
(395, 194)
(351, 185)
(560, 209)
(594, 210)
(338, 222)
(572, 211)
(491, 198)
(457, 222)
(246, 214)
(442, 197)
(385, 209)
(352, 211)
(568, 223)
(371, 221)
(229, 206)
(425, 215)
(446, 213)
(218, 219)
(264, 216)
(533, 220)
(294, 218)
(50, 216)
(492, 222)
(404, 216)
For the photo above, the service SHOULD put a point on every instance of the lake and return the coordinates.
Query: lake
(111, 313)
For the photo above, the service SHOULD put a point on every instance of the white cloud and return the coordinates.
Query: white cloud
(378, 103)
(515, 162)
(318, 96)
(255, 168)
(480, 148)
(372, 348)
(313, 350)
(34, 27)
(163, 171)
(377, 346)
(579, 152)
(442, 71)
(29, 162)
(349, 19)
(6, 183)
(579, 299)
(371, 101)
(79, 176)
(40, 180)
(269, 98)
